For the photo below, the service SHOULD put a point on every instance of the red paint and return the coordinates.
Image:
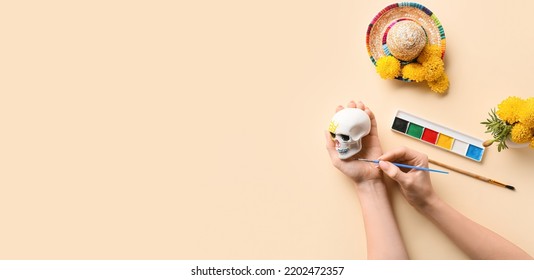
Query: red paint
(429, 136)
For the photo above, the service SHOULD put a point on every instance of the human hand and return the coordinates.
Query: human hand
(415, 185)
(358, 171)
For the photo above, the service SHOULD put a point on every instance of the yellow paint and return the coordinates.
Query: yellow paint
(444, 141)
(332, 127)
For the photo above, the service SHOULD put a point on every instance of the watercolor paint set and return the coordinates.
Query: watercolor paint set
(438, 135)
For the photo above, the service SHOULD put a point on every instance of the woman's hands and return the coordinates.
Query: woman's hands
(358, 171)
(415, 185)
(474, 239)
(383, 236)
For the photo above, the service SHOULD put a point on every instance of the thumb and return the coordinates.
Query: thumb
(392, 171)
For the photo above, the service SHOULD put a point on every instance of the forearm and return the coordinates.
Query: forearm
(383, 236)
(475, 240)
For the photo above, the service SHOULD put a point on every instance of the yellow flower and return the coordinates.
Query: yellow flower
(531, 143)
(388, 67)
(429, 51)
(521, 133)
(414, 71)
(434, 68)
(526, 112)
(508, 109)
(440, 85)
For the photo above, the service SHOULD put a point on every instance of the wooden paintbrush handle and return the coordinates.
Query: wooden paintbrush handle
(470, 174)
(459, 170)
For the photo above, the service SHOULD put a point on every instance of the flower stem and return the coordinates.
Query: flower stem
(488, 143)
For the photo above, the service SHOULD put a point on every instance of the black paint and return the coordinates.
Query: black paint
(400, 125)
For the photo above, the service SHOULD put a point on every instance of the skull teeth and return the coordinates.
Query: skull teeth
(341, 150)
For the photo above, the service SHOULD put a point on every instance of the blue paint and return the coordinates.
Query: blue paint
(474, 152)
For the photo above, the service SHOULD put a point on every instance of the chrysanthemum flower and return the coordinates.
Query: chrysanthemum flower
(521, 133)
(526, 112)
(440, 85)
(414, 71)
(434, 68)
(429, 51)
(509, 108)
(388, 67)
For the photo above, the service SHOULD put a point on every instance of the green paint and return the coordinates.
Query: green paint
(415, 130)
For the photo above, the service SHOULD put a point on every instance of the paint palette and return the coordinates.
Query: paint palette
(438, 136)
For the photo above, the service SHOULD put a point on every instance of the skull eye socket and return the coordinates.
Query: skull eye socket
(344, 137)
(332, 135)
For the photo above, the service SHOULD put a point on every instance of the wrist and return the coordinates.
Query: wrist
(371, 186)
(429, 205)
(372, 177)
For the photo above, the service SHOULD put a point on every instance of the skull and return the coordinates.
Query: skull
(347, 128)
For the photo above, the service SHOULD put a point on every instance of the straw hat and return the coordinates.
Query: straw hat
(402, 30)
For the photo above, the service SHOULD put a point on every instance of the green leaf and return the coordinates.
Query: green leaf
(498, 129)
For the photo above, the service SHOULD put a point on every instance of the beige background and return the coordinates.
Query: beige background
(194, 129)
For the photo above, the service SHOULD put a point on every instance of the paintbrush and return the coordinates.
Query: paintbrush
(476, 176)
(407, 166)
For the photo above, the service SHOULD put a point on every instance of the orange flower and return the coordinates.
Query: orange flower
(521, 133)
(508, 109)
(429, 51)
(414, 71)
(526, 112)
(440, 85)
(388, 67)
(434, 68)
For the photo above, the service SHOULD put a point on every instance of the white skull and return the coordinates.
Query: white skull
(347, 129)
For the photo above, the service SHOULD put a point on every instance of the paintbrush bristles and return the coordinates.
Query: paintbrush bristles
(473, 175)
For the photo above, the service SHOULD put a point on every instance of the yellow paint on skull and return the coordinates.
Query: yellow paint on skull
(332, 127)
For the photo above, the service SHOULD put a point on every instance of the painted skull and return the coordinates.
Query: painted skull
(347, 128)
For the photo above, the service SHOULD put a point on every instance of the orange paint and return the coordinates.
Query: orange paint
(444, 141)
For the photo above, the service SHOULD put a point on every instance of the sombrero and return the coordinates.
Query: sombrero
(406, 41)
(402, 30)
